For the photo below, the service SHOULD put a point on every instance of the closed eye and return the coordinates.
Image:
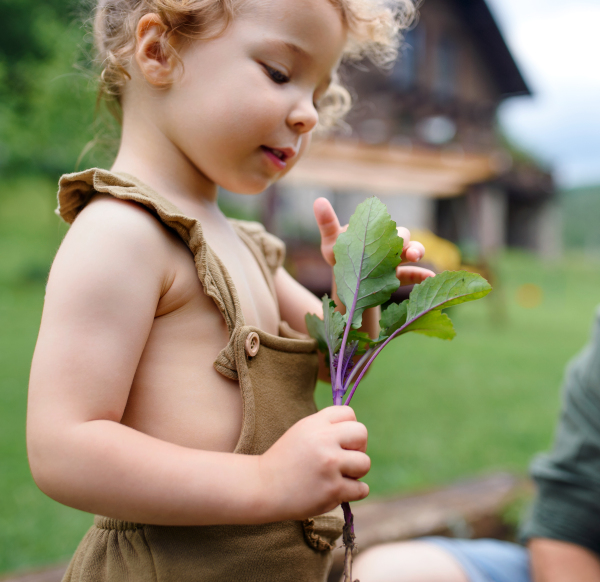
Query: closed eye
(276, 76)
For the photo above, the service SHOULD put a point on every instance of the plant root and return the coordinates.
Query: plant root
(348, 538)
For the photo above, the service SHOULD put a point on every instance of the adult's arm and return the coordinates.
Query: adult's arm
(558, 561)
(563, 530)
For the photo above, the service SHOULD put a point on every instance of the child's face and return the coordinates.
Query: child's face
(253, 90)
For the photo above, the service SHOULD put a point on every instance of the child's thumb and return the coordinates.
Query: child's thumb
(327, 221)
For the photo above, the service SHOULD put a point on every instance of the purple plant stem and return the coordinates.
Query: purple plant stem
(347, 361)
(339, 393)
(356, 368)
(332, 375)
(348, 517)
(339, 387)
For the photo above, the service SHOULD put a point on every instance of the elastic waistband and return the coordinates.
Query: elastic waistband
(116, 524)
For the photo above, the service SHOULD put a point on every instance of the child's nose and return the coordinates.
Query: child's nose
(303, 116)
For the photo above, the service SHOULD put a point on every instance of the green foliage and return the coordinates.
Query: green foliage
(444, 290)
(423, 309)
(333, 324)
(392, 319)
(327, 331)
(47, 92)
(422, 312)
(20, 39)
(362, 340)
(434, 324)
(316, 329)
(366, 256)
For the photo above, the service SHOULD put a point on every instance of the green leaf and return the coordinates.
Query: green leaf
(392, 318)
(427, 301)
(366, 257)
(333, 324)
(363, 339)
(316, 330)
(434, 324)
(444, 290)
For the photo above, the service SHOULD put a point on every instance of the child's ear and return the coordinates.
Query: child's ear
(155, 61)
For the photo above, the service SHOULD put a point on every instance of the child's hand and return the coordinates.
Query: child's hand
(315, 465)
(330, 229)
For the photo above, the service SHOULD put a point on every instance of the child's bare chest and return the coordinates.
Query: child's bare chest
(258, 305)
(177, 395)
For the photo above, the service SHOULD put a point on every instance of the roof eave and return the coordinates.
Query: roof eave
(489, 38)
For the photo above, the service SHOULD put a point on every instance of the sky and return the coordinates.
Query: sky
(556, 45)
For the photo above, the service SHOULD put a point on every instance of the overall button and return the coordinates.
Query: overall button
(252, 344)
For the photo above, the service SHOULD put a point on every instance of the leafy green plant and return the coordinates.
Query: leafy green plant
(366, 256)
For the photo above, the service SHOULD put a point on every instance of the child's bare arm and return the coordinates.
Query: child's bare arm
(101, 301)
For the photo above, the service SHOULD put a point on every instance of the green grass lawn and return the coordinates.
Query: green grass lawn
(436, 411)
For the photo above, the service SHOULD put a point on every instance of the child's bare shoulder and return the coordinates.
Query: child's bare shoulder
(117, 249)
(111, 234)
(127, 224)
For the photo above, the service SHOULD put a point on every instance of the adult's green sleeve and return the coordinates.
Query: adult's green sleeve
(567, 506)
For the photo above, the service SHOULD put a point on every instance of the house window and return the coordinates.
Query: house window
(404, 73)
(446, 67)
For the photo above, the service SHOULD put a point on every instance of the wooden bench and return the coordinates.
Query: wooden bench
(54, 574)
(472, 509)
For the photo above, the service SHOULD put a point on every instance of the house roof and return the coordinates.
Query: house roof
(493, 48)
(390, 169)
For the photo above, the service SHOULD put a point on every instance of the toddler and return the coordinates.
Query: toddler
(172, 383)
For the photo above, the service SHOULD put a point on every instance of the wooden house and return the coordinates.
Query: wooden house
(424, 137)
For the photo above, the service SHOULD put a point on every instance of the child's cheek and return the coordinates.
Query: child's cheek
(305, 142)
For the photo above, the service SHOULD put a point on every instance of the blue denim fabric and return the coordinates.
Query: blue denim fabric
(487, 560)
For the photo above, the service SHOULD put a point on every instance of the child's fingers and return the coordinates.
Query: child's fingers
(329, 227)
(355, 465)
(412, 275)
(327, 220)
(354, 490)
(414, 252)
(352, 436)
(404, 233)
(336, 414)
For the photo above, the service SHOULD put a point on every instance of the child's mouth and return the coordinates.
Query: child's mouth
(278, 157)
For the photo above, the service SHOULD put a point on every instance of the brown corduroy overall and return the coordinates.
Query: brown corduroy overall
(277, 384)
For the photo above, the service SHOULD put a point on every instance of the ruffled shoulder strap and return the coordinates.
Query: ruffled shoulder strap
(76, 190)
(268, 250)
(272, 248)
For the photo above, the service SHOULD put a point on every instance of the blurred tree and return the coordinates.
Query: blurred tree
(47, 89)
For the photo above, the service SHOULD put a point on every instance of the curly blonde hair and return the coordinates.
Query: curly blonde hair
(374, 32)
